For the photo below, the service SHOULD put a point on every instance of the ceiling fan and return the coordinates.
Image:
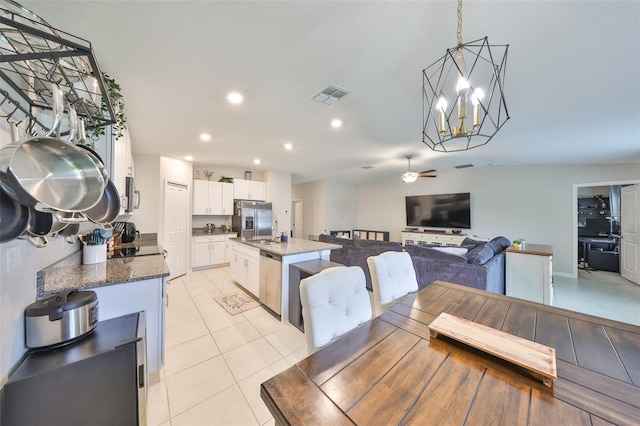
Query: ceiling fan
(410, 176)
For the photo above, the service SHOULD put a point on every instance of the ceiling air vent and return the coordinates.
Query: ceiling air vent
(464, 166)
(330, 95)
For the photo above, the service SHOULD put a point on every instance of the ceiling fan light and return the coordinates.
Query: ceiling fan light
(409, 177)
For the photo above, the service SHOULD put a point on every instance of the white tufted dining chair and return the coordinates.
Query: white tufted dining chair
(334, 302)
(392, 276)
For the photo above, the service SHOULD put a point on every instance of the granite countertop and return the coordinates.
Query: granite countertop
(202, 232)
(69, 273)
(293, 246)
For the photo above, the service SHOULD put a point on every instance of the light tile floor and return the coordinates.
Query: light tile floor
(600, 293)
(215, 361)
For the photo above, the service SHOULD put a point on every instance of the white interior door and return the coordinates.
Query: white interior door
(176, 210)
(297, 225)
(630, 231)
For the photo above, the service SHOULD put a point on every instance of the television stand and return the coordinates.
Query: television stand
(440, 238)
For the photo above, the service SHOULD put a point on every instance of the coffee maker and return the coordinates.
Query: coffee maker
(129, 232)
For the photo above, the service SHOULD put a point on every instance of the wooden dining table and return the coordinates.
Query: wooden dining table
(390, 371)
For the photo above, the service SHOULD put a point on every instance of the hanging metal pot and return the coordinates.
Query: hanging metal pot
(49, 174)
(13, 217)
(108, 208)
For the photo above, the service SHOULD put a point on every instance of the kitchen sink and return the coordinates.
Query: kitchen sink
(264, 242)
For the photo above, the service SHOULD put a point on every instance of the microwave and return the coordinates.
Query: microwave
(132, 194)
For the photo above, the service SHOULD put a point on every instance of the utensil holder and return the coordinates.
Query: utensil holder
(94, 254)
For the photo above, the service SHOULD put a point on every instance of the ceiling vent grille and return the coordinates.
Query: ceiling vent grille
(330, 95)
(464, 166)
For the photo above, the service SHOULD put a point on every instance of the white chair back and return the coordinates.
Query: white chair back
(392, 277)
(334, 301)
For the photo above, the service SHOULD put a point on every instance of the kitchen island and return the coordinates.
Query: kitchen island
(262, 267)
(123, 285)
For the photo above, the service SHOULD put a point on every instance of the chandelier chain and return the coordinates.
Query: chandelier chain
(459, 32)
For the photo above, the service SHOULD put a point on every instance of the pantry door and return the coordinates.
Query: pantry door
(176, 211)
(630, 231)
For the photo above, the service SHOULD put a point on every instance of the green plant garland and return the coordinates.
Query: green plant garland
(117, 102)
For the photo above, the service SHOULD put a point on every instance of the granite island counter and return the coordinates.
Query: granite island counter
(123, 285)
(254, 266)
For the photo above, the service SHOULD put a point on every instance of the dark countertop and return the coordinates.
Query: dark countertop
(69, 273)
(293, 246)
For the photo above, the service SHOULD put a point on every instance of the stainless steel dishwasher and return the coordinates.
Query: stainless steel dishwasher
(270, 292)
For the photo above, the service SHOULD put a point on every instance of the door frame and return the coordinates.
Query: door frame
(574, 219)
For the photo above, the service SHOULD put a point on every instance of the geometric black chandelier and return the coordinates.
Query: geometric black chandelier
(463, 104)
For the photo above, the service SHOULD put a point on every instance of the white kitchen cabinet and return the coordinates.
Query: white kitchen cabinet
(146, 295)
(529, 273)
(233, 259)
(249, 190)
(245, 267)
(118, 159)
(228, 244)
(442, 239)
(212, 198)
(209, 250)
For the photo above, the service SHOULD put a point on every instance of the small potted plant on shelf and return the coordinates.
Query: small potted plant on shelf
(225, 179)
(518, 244)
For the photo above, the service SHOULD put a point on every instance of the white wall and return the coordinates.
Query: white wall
(279, 193)
(312, 195)
(534, 203)
(328, 205)
(341, 206)
(19, 262)
(591, 191)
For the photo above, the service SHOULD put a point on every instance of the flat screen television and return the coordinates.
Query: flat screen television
(439, 211)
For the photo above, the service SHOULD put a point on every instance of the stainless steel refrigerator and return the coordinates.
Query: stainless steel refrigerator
(252, 219)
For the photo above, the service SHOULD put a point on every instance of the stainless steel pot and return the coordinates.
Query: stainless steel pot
(49, 174)
(108, 208)
(60, 319)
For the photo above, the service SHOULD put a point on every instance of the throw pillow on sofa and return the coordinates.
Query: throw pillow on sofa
(433, 253)
(495, 246)
(453, 250)
(324, 238)
(504, 242)
(480, 255)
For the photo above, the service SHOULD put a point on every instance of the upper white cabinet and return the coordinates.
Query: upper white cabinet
(249, 190)
(212, 198)
(121, 165)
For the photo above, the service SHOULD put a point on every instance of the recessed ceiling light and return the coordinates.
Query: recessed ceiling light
(288, 146)
(235, 98)
(336, 123)
(256, 161)
(189, 158)
(205, 136)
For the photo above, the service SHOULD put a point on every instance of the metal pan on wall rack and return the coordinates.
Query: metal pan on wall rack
(49, 174)
(13, 217)
(108, 208)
